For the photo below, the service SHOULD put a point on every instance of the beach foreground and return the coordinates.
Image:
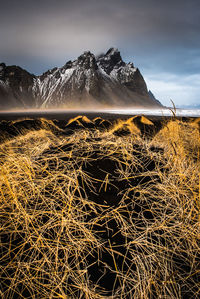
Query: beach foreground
(100, 208)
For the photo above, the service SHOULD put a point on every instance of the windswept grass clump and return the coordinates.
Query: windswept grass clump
(101, 215)
(11, 129)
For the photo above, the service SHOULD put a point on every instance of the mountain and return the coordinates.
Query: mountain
(16, 87)
(100, 81)
(153, 97)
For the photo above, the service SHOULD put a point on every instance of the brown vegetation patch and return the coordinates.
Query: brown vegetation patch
(100, 215)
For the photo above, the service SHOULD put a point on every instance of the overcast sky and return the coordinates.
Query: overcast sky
(161, 38)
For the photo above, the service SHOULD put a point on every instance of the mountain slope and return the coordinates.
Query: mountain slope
(100, 81)
(16, 87)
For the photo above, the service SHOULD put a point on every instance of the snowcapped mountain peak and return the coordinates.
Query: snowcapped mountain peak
(68, 65)
(86, 81)
(86, 60)
(112, 59)
(114, 55)
(130, 64)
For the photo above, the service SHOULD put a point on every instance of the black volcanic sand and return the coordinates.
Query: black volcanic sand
(63, 116)
(15, 123)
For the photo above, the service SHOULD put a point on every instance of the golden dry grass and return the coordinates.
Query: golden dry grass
(124, 126)
(95, 215)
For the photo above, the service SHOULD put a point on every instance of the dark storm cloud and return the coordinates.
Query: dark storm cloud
(159, 36)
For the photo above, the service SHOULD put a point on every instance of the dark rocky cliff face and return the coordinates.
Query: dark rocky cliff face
(16, 87)
(126, 74)
(112, 59)
(100, 81)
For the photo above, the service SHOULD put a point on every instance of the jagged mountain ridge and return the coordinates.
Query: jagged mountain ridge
(104, 80)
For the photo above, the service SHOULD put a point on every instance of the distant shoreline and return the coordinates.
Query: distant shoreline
(106, 113)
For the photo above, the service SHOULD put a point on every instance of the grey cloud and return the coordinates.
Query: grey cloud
(183, 90)
(159, 36)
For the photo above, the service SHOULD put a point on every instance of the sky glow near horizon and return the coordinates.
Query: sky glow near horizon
(161, 38)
